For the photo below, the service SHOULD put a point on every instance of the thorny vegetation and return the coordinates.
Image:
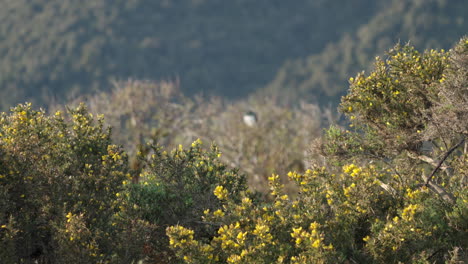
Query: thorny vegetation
(391, 188)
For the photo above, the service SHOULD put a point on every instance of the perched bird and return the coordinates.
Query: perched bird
(250, 118)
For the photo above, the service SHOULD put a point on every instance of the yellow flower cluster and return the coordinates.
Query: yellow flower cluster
(231, 236)
(197, 143)
(220, 192)
(409, 212)
(348, 190)
(311, 238)
(351, 169)
(69, 216)
(275, 185)
(262, 230)
(413, 194)
(184, 236)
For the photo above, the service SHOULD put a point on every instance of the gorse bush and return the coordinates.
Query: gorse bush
(177, 187)
(68, 195)
(360, 214)
(395, 190)
(58, 179)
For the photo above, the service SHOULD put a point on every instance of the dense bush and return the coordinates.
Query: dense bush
(175, 188)
(58, 179)
(394, 190)
(67, 194)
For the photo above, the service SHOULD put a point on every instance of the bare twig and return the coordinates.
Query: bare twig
(442, 161)
(430, 161)
(388, 188)
(440, 191)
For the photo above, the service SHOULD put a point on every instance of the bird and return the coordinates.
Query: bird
(250, 118)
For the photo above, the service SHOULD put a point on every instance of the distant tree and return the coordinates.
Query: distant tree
(145, 111)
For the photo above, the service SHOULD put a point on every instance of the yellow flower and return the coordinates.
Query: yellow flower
(329, 247)
(246, 201)
(316, 243)
(197, 143)
(298, 241)
(296, 232)
(218, 213)
(234, 259)
(409, 212)
(220, 192)
(313, 226)
(273, 178)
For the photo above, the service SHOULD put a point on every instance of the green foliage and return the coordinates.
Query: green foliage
(408, 104)
(67, 194)
(405, 120)
(393, 101)
(58, 177)
(175, 188)
(381, 206)
(394, 189)
(352, 215)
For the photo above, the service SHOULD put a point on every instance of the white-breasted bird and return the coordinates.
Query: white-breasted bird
(250, 118)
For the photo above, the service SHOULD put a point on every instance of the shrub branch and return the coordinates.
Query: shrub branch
(442, 161)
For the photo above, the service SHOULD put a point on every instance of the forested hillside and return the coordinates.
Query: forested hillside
(56, 49)
(424, 24)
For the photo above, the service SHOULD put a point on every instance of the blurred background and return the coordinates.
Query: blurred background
(54, 50)
(175, 71)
